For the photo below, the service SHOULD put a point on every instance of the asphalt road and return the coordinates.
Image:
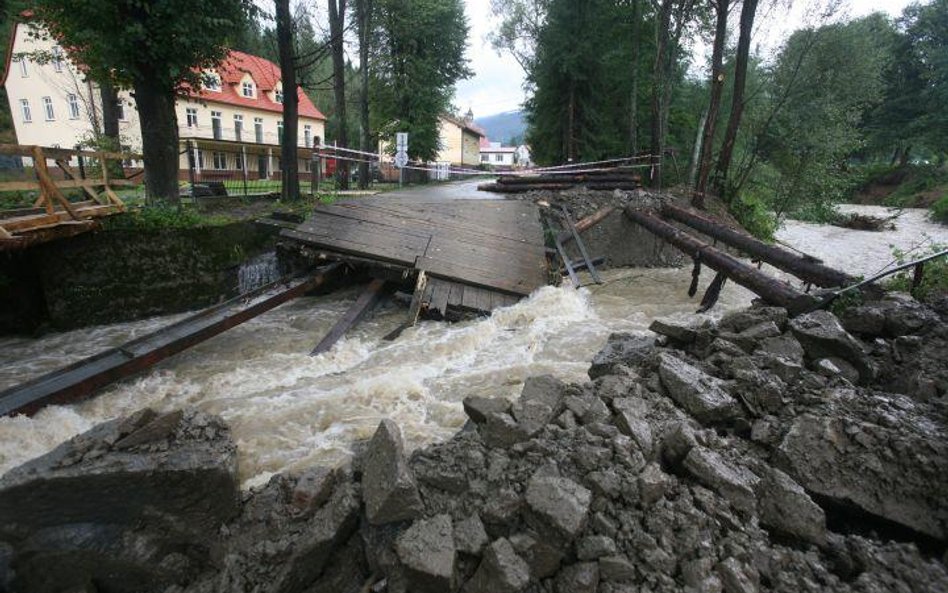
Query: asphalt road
(454, 190)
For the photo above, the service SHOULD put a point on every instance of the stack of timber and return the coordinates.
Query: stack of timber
(604, 180)
(53, 215)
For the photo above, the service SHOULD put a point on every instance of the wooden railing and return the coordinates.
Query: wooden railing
(52, 208)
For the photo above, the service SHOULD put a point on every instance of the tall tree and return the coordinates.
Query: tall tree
(363, 10)
(721, 10)
(289, 162)
(521, 22)
(417, 57)
(748, 14)
(154, 48)
(337, 27)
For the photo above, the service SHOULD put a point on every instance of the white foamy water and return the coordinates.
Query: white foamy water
(289, 410)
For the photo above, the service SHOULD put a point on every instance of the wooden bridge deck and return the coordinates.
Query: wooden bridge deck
(480, 254)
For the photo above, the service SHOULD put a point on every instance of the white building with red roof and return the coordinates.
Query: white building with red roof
(241, 102)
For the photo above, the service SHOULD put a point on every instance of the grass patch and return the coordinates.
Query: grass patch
(162, 216)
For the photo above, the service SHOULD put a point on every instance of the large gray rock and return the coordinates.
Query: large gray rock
(739, 321)
(593, 547)
(470, 536)
(501, 571)
(897, 473)
(630, 420)
(557, 506)
(681, 331)
(578, 578)
(784, 347)
(479, 408)
(700, 394)
(621, 352)
(822, 336)
(653, 484)
(116, 504)
(731, 481)
(389, 487)
(426, 551)
(542, 558)
(784, 507)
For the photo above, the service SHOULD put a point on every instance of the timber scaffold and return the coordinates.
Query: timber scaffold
(53, 215)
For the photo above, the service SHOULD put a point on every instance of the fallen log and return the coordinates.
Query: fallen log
(524, 187)
(802, 267)
(770, 289)
(573, 179)
(366, 301)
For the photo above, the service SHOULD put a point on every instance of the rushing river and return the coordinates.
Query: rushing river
(289, 410)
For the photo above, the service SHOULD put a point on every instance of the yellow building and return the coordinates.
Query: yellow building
(460, 141)
(53, 104)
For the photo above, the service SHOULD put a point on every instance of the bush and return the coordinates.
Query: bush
(754, 215)
(939, 210)
(161, 217)
(934, 281)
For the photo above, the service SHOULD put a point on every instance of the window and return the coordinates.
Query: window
(120, 110)
(25, 108)
(258, 130)
(247, 89)
(192, 114)
(485, 158)
(306, 163)
(238, 127)
(278, 96)
(239, 161)
(280, 132)
(200, 158)
(58, 59)
(73, 102)
(220, 160)
(212, 83)
(308, 136)
(216, 124)
(23, 71)
(48, 108)
(498, 158)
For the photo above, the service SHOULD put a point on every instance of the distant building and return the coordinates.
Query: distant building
(524, 157)
(53, 104)
(497, 155)
(460, 141)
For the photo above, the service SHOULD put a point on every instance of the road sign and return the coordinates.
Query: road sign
(401, 141)
(401, 159)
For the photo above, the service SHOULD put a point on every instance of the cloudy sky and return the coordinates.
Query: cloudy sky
(497, 85)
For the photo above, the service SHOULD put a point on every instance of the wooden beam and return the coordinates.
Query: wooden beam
(414, 310)
(587, 223)
(802, 267)
(582, 247)
(84, 378)
(71, 175)
(770, 289)
(365, 303)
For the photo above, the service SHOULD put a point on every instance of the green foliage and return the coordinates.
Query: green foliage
(754, 215)
(161, 216)
(939, 210)
(416, 59)
(934, 280)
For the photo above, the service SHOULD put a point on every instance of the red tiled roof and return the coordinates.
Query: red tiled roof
(265, 74)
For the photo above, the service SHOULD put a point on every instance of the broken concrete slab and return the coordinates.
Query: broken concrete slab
(501, 571)
(700, 394)
(426, 551)
(557, 505)
(390, 491)
(822, 336)
(731, 481)
(787, 509)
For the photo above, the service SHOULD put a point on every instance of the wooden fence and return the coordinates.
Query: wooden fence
(53, 215)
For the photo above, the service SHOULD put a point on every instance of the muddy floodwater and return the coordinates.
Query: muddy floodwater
(289, 410)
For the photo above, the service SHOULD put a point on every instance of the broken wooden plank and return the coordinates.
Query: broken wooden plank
(770, 289)
(415, 309)
(366, 301)
(783, 259)
(82, 379)
(582, 246)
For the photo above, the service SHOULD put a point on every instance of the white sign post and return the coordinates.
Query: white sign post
(401, 153)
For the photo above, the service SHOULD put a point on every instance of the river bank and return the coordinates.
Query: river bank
(754, 453)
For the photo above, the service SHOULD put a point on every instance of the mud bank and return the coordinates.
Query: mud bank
(757, 453)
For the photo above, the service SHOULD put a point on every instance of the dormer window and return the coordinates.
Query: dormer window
(278, 96)
(212, 83)
(246, 89)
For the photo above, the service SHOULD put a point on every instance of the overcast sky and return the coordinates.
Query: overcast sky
(497, 84)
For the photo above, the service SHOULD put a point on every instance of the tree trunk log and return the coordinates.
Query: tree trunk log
(714, 104)
(787, 261)
(159, 128)
(770, 289)
(337, 26)
(289, 165)
(364, 16)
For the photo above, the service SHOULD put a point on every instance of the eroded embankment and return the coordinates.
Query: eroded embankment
(756, 453)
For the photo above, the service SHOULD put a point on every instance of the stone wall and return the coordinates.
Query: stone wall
(121, 275)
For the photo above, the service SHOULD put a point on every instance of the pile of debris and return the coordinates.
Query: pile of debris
(865, 222)
(757, 453)
(601, 179)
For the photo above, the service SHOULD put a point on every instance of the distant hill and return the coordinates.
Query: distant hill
(508, 128)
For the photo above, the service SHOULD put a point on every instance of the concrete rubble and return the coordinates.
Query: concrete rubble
(722, 456)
